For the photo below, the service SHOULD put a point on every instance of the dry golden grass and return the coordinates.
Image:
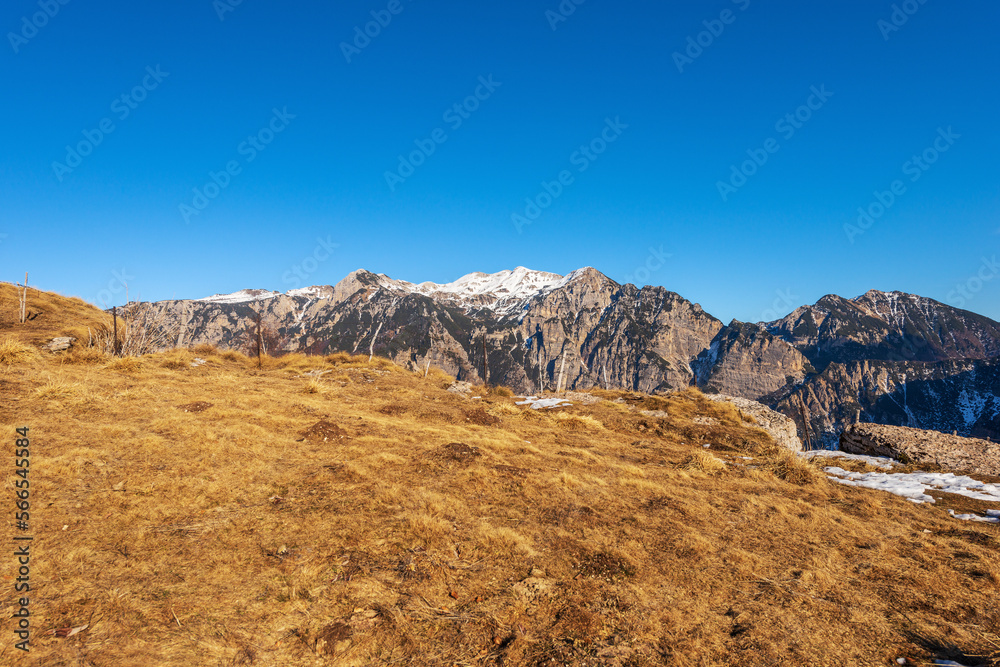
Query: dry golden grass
(13, 351)
(199, 516)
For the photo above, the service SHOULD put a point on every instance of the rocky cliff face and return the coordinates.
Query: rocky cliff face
(746, 360)
(884, 357)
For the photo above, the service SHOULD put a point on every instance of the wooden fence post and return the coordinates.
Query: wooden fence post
(24, 300)
(115, 348)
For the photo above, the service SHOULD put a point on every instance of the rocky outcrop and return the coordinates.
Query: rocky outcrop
(777, 425)
(912, 445)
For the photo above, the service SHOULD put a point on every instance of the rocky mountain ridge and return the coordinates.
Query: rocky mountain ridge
(886, 357)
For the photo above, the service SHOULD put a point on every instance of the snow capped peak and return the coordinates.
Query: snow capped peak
(520, 281)
(243, 296)
(502, 292)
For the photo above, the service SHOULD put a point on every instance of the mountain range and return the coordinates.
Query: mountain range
(883, 357)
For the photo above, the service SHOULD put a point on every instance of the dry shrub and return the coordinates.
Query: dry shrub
(575, 421)
(788, 466)
(505, 392)
(142, 328)
(129, 365)
(504, 410)
(55, 390)
(338, 358)
(702, 461)
(205, 349)
(314, 387)
(233, 355)
(16, 352)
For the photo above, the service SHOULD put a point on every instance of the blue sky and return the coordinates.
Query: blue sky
(312, 133)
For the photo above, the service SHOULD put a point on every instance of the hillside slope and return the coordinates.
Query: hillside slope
(189, 508)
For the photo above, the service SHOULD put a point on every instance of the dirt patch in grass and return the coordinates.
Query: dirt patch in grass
(324, 431)
(333, 638)
(457, 452)
(480, 417)
(604, 565)
(197, 406)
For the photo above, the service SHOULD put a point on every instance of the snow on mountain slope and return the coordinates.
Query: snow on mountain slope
(243, 296)
(503, 292)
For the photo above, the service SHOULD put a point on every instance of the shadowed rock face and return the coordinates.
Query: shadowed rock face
(882, 357)
(921, 447)
(746, 360)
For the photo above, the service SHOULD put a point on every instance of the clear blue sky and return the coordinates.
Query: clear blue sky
(774, 242)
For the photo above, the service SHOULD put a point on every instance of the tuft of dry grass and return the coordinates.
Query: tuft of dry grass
(702, 461)
(15, 352)
(795, 469)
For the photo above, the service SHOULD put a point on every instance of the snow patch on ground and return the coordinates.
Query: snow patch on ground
(878, 461)
(543, 403)
(913, 485)
(992, 516)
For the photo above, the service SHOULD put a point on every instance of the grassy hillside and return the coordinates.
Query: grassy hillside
(336, 511)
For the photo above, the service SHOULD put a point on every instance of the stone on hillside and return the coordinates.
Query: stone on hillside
(59, 344)
(777, 425)
(914, 445)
